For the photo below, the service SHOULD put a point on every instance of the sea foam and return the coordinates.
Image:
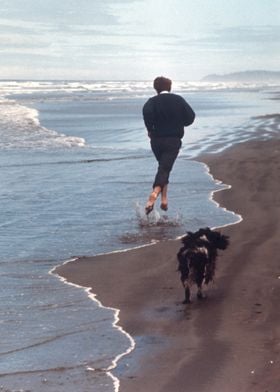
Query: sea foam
(20, 128)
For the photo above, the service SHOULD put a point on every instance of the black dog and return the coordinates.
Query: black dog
(197, 258)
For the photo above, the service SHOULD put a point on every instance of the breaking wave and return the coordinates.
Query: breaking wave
(20, 128)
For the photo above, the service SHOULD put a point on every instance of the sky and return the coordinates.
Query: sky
(137, 40)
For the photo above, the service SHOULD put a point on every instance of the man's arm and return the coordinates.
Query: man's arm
(148, 115)
(188, 114)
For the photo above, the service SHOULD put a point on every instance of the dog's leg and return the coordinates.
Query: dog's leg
(200, 294)
(187, 294)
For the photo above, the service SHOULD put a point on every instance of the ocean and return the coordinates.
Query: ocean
(76, 171)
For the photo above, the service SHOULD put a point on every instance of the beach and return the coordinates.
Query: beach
(230, 341)
(68, 150)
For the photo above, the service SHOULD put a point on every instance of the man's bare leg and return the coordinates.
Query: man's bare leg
(164, 202)
(152, 199)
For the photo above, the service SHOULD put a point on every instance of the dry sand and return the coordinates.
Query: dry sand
(229, 342)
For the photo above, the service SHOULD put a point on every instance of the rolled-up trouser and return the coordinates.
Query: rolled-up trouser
(166, 150)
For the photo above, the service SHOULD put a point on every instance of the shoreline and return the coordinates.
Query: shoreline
(173, 342)
(116, 323)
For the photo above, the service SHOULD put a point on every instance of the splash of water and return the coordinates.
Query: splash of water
(155, 218)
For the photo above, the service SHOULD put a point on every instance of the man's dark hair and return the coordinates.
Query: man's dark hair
(162, 84)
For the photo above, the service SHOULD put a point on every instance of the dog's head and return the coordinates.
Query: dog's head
(215, 239)
(190, 240)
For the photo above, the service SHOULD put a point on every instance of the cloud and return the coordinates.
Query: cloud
(249, 38)
(248, 34)
(239, 33)
(86, 12)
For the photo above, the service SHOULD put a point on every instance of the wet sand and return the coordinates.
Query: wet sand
(228, 342)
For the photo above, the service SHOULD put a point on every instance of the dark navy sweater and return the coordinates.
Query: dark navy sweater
(166, 115)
